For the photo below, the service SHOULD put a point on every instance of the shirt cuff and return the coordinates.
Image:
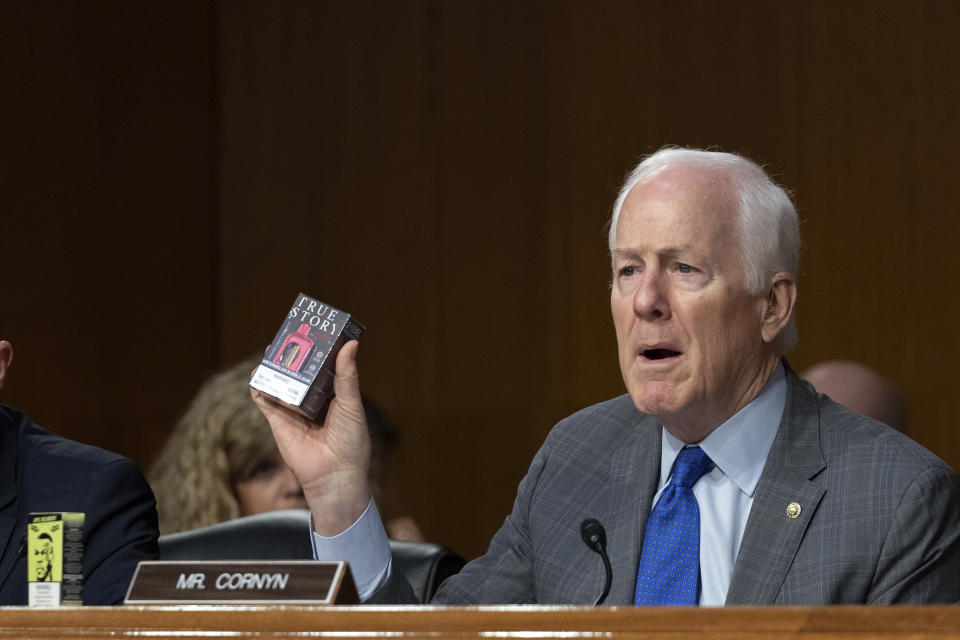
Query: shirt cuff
(364, 545)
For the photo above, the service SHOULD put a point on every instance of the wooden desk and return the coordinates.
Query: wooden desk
(195, 622)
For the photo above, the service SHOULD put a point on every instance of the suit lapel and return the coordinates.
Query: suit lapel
(772, 535)
(635, 474)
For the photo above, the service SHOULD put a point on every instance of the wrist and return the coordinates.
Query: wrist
(337, 503)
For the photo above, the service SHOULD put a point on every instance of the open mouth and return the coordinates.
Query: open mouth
(659, 354)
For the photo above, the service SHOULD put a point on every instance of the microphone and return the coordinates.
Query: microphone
(595, 537)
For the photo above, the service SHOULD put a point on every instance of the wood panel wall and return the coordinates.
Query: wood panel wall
(177, 172)
(109, 255)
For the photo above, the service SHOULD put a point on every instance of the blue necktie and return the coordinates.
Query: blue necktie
(669, 573)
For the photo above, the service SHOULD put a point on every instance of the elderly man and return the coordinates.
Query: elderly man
(40, 471)
(721, 477)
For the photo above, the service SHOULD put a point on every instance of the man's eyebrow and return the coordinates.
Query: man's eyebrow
(666, 251)
(625, 253)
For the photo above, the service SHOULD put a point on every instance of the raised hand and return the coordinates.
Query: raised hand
(331, 460)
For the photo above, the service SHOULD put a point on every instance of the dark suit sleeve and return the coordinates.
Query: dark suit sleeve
(396, 590)
(120, 530)
(504, 574)
(920, 559)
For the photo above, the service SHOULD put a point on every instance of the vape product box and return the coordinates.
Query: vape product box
(298, 367)
(55, 559)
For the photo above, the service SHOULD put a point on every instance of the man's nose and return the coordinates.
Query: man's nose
(650, 298)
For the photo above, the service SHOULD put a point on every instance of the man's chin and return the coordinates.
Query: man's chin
(657, 401)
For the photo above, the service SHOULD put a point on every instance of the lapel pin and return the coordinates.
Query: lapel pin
(793, 510)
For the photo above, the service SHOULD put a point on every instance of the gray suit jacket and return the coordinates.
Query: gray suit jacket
(879, 520)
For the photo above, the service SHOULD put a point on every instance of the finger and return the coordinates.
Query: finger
(278, 415)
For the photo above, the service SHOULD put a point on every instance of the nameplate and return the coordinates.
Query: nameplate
(242, 581)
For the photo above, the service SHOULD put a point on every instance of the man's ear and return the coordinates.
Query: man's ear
(780, 300)
(6, 359)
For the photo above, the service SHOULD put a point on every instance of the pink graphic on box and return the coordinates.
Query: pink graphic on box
(295, 349)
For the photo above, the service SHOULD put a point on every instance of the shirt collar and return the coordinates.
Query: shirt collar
(738, 447)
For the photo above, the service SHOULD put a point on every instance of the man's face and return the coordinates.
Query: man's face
(689, 334)
(43, 558)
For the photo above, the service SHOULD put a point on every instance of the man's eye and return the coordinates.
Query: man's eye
(628, 271)
(684, 268)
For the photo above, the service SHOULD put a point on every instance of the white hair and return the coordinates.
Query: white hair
(768, 226)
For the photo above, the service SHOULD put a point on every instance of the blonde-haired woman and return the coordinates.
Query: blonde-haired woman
(221, 461)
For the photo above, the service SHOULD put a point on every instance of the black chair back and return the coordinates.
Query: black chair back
(285, 535)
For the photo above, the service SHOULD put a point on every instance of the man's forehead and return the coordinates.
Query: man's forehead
(682, 180)
(681, 193)
(682, 211)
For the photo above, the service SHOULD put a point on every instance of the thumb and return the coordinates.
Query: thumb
(346, 380)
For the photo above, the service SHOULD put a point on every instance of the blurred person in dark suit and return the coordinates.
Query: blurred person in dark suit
(860, 389)
(41, 472)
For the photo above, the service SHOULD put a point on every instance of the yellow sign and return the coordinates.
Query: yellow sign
(55, 559)
(45, 549)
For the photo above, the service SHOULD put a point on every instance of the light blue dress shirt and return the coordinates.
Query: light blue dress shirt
(738, 448)
(364, 545)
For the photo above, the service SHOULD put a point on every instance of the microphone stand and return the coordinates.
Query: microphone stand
(595, 537)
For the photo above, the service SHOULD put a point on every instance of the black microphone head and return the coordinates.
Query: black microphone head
(593, 534)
